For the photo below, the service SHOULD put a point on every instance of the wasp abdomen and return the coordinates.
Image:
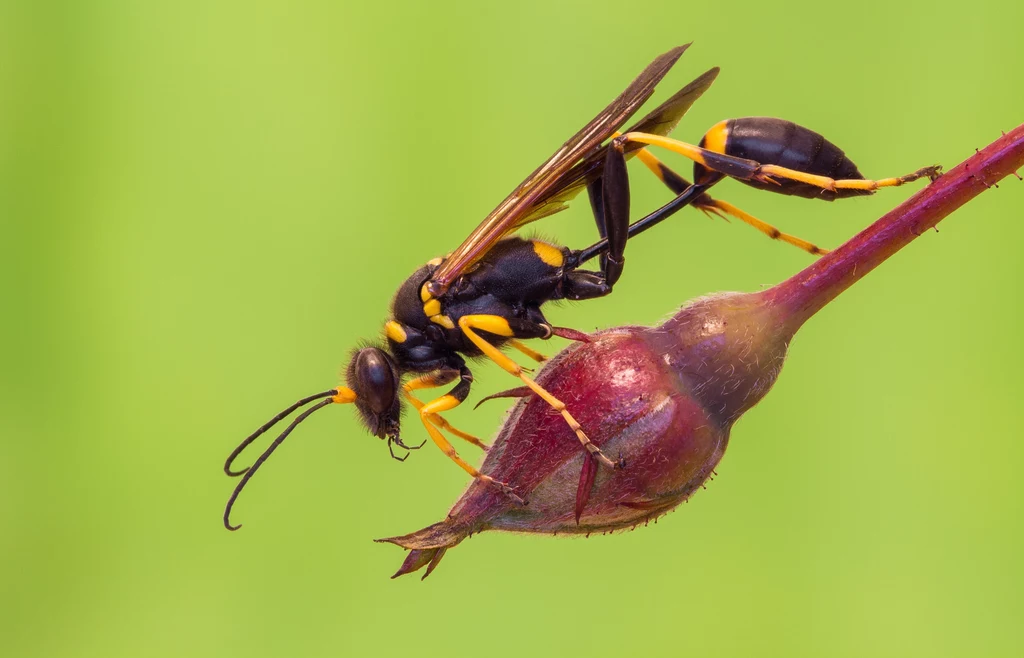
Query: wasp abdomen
(772, 141)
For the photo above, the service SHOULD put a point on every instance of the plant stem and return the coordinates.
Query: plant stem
(804, 294)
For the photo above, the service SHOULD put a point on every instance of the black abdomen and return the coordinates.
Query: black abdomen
(784, 143)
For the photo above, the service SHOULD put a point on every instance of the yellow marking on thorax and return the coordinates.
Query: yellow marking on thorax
(443, 320)
(716, 137)
(550, 254)
(435, 261)
(395, 331)
(432, 308)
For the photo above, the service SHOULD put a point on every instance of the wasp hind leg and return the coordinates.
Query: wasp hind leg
(609, 199)
(751, 170)
(500, 326)
(769, 173)
(723, 209)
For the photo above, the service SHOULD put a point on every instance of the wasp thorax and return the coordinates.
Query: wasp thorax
(373, 375)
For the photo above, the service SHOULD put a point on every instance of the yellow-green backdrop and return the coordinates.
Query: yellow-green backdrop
(206, 204)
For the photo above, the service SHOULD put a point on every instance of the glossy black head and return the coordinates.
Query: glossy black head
(374, 377)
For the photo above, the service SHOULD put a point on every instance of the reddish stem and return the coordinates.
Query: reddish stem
(804, 294)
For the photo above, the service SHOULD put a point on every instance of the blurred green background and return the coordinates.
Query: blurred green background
(206, 204)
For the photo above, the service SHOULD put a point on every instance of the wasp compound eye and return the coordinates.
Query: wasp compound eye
(373, 378)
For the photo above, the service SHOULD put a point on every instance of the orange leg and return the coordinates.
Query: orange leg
(677, 183)
(750, 170)
(533, 354)
(433, 381)
(720, 207)
(499, 326)
(445, 403)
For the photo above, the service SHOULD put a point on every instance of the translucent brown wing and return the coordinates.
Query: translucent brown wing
(661, 121)
(539, 185)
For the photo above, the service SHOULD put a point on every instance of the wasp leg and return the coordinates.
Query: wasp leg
(609, 199)
(704, 202)
(499, 326)
(671, 179)
(721, 208)
(584, 284)
(581, 284)
(517, 392)
(454, 398)
(595, 191)
(435, 380)
(678, 184)
(831, 184)
(391, 448)
(752, 170)
(528, 351)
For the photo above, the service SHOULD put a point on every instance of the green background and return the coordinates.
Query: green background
(206, 204)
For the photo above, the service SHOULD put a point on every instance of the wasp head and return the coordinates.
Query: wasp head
(373, 375)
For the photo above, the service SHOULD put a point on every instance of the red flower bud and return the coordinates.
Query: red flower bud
(663, 398)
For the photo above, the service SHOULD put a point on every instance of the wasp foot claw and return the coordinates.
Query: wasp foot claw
(505, 489)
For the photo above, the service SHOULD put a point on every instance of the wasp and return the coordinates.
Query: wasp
(487, 295)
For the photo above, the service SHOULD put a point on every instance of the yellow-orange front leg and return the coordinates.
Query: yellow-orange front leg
(434, 380)
(444, 403)
(499, 326)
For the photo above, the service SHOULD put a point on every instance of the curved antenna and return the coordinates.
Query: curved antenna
(249, 472)
(273, 421)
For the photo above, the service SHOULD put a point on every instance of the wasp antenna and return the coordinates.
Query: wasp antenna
(273, 421)
(249, 472)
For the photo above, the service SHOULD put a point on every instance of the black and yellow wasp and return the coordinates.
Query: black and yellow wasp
(488, 293)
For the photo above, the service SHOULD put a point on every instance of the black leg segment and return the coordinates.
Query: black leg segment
(595, 191)
(688, 196)
(583, 284)
(615, 201)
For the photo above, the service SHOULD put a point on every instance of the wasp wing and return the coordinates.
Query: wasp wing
(538, 185)
(661, 121)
